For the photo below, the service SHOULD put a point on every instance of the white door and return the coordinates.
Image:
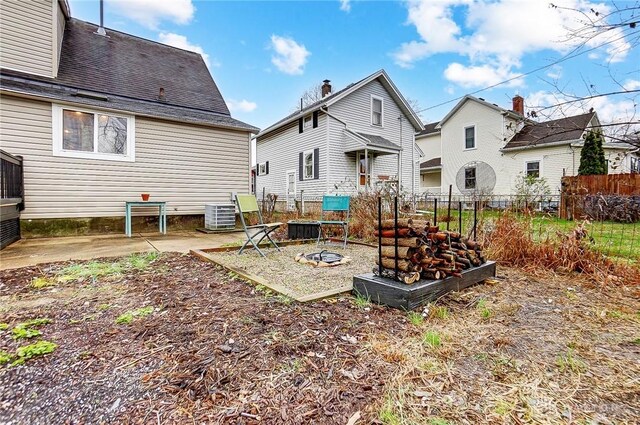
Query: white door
(291, 190)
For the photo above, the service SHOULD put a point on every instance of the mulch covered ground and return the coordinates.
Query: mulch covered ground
(216, 350)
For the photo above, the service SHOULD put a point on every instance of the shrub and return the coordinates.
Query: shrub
(619, 208)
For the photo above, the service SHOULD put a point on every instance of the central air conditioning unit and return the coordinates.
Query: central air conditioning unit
(219, 217)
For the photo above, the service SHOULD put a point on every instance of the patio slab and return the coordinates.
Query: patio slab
(29, 252)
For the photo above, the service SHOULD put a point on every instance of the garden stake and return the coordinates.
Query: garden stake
(435, 211)
(460, 217)
(379, 235)
(449, 207)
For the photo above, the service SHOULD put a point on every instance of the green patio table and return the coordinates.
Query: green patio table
(162, 214)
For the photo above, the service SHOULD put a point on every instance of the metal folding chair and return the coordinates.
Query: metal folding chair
(249, 204)
(334, 204)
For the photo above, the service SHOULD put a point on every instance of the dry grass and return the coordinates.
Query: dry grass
(553, 351)
(511, 243)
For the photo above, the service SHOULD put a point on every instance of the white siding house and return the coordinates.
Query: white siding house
(90, 142)
(479, 147)
(322, 148)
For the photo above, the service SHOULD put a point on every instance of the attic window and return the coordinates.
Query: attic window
(470, 137)
(90, 134)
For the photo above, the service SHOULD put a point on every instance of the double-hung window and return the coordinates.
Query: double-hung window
(470, 137)
(377, 115)
(533, 169)
(307, 165)
(90, 134)
(470, 178)
(308, 122)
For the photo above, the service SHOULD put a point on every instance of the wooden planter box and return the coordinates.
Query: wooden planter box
(303, 229)
(407, 297)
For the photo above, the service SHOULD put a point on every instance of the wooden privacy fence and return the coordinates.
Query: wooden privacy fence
(576, 188)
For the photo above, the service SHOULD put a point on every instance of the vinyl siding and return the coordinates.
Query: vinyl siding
(185, 165)
(282, 149)
(59, 24)
(355, 111)
(27, 37)
(430, 145)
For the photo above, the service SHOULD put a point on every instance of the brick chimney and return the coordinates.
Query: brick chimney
(326, 88)
(518, 104)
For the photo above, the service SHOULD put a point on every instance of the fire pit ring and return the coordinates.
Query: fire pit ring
(326, 256)
(322, 259)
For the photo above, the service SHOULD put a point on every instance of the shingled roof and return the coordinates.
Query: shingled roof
(130, 71)
(431, 163)
(429, 129)
(567, 129)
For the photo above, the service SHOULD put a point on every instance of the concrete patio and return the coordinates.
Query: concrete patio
(29, 252)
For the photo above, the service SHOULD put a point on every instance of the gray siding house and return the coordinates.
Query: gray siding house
(356, 139)
(101, 119)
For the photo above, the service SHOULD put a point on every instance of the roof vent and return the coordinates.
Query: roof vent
(101, 31)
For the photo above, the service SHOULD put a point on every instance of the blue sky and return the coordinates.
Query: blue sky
(264, 55)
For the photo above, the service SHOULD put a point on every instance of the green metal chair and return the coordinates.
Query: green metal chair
(248, 204)
(333, 204)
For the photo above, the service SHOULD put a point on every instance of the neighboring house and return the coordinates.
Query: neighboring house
(100, 119)
(358, 138)
(479, 147)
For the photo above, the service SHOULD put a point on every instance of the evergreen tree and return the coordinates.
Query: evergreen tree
(592, 160)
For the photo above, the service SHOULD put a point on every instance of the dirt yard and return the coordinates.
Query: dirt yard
(175, 340)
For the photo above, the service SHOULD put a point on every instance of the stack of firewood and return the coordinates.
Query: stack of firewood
(424, 251)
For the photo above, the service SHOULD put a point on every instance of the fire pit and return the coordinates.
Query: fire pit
(322, 259)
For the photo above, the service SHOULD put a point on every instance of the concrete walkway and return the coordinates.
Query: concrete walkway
(29, 252)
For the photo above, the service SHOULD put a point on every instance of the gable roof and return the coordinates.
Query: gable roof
(125, 70)
(340, 94)
(373, 140)
(429, 129)
(469, 98)
(563, 130)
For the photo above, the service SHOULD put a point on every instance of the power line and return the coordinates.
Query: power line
(560, 60)
(580, 99)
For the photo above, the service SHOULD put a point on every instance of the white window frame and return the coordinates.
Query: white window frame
(464, 137)
(57, 129)
(374, 97)
(530, 161)
(307, 122)
(262, 169)
(359, 156)
(475, 178)
(304, 165)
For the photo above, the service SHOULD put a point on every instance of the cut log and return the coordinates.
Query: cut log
(402, 223)
(390, 233)
(405, 266)
(411, 242)
(403, 252)
(405, 277)
(431, 274)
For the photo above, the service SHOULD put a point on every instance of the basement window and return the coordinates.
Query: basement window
(81, 133)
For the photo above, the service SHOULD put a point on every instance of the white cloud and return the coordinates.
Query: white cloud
(181, 42)
(555, 72)
(345, 5)
(151, 12)
(631, 85)
(289, 57)
(480, 76)
(499, 33)
(241, 105)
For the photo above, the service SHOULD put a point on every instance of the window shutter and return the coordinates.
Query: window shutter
(315, 119)
(300, 167)
(300, 125)
(266, 168)
(258, 169)
(316, 164)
